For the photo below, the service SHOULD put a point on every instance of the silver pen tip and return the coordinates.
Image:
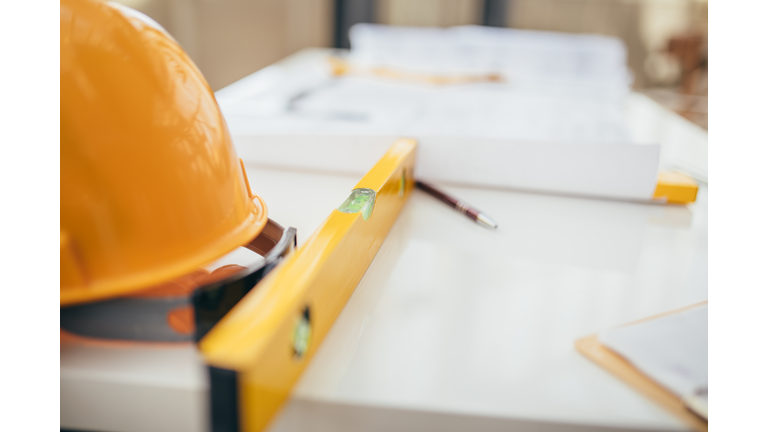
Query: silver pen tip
(485, 220)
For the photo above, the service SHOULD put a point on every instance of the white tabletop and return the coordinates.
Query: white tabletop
(457, 319)
(453, 321)
(456, 327)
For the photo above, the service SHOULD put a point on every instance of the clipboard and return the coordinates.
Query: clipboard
(614, 363)
(258, 351)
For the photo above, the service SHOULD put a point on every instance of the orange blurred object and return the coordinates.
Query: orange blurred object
(151, 186)
(182, 320)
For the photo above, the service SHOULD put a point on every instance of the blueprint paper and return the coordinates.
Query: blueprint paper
(671, 350)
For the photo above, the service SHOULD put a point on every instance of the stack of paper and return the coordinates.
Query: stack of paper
(555, 123)
(576, 64)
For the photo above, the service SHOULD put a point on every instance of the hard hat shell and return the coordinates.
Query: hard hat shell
(151, 186)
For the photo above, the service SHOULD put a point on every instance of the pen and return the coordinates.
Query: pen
(460, 206)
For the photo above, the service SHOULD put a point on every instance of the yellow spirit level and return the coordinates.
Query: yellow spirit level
(257, 352)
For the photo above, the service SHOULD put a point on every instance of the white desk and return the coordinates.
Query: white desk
(422, 333)
(455, 327)
(458, 327)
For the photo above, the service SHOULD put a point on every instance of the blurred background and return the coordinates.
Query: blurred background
(230, 39)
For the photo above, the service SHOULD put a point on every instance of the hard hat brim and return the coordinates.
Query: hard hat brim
(106, 288)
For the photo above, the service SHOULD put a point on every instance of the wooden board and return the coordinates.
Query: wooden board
(611, 361)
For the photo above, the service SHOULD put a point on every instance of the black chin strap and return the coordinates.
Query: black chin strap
(179, 318)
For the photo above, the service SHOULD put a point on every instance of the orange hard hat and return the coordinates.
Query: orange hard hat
(151, 186)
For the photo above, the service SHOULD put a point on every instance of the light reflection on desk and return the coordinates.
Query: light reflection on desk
(452, 317)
